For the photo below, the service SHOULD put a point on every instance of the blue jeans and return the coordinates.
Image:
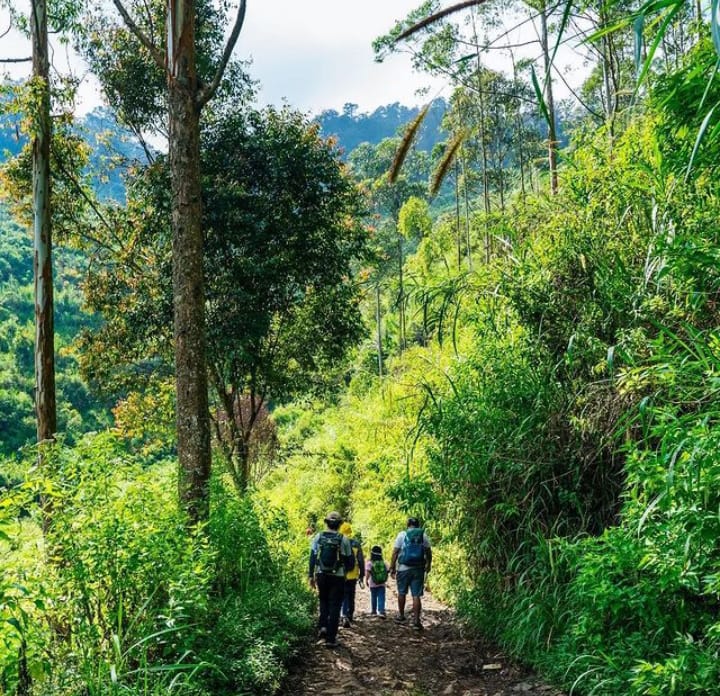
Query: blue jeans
(377, 599)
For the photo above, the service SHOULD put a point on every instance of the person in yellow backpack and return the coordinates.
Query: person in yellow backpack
(352, 577)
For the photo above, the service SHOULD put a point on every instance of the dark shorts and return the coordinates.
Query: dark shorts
(414, 579)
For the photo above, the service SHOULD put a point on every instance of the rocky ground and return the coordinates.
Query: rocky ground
(382, 657)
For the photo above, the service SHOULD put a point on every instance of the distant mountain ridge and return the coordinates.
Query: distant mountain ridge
(352, 128)
(113, 148)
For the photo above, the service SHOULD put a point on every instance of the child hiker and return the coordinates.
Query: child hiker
(376, 574)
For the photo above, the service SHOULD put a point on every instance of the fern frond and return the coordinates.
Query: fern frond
(444, 164)
(405, 144)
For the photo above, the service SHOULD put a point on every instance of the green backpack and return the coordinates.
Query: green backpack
(378, 572)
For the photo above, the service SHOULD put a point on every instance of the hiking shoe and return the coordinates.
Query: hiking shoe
(382, 615)
(400, 618)
(346, 622)
(417, 626)
(332, 644)
(322, 632)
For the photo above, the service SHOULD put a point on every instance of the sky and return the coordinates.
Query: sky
(314, 54)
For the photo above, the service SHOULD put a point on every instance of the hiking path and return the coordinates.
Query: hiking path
(379, 656)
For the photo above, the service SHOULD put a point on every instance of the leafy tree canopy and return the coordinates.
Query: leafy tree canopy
(282, 236)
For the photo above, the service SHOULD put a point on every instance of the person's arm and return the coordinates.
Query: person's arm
(361, 564)
(368, 574)
(393, 561)
(428, 559)
(313, 562)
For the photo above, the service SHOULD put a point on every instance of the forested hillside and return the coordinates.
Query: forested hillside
(500, 318)
(352, 128)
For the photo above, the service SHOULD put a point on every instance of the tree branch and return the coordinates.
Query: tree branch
(436, 17)
(15, 60)
(139, 35)
(206, 93)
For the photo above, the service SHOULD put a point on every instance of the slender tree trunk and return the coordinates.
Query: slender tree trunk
(401, 297)
(520, 133)
(549, 102)
(45, 403)
(483, 141)
(193, 424)
(467, 212)
(378, 324)
(458, 236)
(609, 79)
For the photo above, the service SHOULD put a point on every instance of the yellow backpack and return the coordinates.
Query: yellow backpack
(354, 574)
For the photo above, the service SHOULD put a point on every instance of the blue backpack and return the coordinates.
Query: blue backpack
(413, 552)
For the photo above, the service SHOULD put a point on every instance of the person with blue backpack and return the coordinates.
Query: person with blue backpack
(331, 557)
(410, 563)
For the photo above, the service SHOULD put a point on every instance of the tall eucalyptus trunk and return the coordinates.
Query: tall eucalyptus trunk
(186, 98)
(45, 404)
(192, 416)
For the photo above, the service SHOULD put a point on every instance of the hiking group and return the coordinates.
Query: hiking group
(337, 566)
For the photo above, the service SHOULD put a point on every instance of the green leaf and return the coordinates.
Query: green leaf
(699, 139)
(539, 95)
(563, 23)
(15, 624)
(715, 24)
(611, 359)
(638, 27)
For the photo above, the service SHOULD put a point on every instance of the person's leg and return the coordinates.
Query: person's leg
(417, 586)
(336, 588)
(403, 581)
(417, 607)
(350, 588)
(346, 599)
(323, 589)
(374, 597)
(381, 600)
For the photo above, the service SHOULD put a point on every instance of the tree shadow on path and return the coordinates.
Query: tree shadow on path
(381, 657)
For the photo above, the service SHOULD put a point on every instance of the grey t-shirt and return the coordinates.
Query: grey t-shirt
(400, 541)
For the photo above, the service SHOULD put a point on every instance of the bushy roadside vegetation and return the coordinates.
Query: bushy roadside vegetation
(560, 441)
(118, 598)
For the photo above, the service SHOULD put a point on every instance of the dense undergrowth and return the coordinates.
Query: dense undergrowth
(119, 599)
(559, 434)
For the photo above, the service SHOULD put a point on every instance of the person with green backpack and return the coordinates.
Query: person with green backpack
(376, 575)
(410, 563)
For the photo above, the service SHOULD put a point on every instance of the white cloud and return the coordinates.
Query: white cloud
(314, 54)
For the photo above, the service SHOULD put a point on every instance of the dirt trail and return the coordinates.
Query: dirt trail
(381, 657)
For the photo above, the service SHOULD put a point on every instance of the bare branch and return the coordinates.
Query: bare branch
(15, 60)
(436, 17)
(207, 93)
(139, 35)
